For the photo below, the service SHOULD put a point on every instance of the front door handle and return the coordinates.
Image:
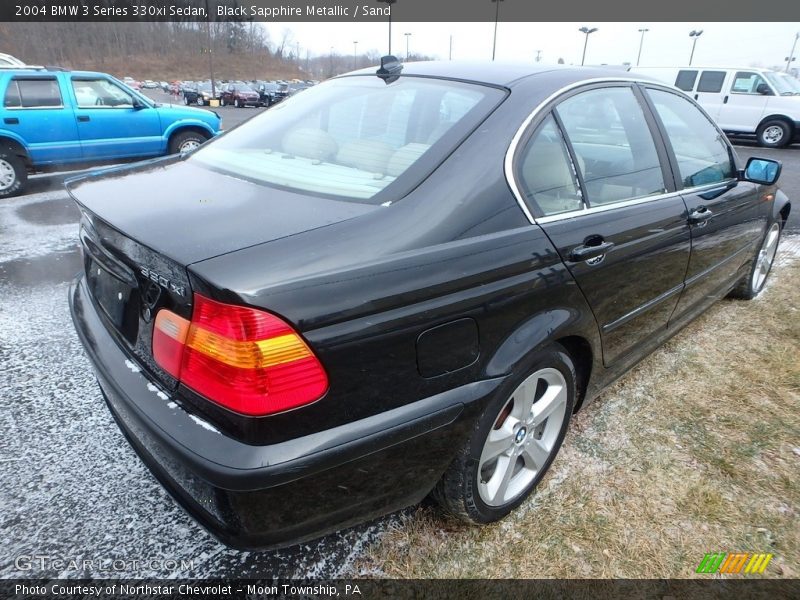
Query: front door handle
(11, 121)
(700, 215)
(590, 251)
(725, 100)
(83, 118)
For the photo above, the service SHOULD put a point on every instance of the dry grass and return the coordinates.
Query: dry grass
(696, 450)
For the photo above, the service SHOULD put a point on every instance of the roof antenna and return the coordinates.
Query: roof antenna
(390, 69)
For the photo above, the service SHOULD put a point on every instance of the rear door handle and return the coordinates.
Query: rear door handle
(83, 118)
(695, 96)
(590, 251)
(700, 215)
(11, 121)
(725, 100)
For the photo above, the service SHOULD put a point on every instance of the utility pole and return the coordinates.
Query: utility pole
(538, 55)
(641, 43)
(210, 55)
(408, 36)
(496, 18)
(451, 47)
(355, 54)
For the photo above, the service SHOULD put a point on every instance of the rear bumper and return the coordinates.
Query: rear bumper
(276, 495)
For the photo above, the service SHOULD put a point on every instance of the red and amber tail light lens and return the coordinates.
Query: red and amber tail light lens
(244, 359)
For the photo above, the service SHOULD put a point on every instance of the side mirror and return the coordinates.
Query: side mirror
(761, 170)
(138, 104)
(763, 89)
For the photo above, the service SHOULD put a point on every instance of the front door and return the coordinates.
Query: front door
(598, 183)
(743, 106)
(726, 217)
(109, 124)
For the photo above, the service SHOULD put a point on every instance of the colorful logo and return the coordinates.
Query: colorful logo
(735, 562)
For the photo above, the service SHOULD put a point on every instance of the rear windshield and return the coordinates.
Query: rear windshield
(354, 138)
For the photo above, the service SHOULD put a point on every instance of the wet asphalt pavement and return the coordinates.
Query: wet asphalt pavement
(72, 489)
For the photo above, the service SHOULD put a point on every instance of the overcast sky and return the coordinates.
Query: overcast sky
(734, 44)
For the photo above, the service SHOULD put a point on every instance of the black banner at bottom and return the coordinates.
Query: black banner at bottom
(644, 589)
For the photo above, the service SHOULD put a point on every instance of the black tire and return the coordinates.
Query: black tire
(15, 181)
(178, 140)
(749, 287)
(236, 103)
(222, 101)
(459, 491)
(774, 133)
(186, 100)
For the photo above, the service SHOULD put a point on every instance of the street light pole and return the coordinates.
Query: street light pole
(641, 43)
(389, 2)
(355, 54)
(790, 58)
(451, 47)
(210, 55)
(408, 35)
(586, 31)
(496, 18)
(694, 35)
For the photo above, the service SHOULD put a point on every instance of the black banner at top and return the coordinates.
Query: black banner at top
(398, 10)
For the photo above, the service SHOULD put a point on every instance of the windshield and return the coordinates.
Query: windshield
(792, 82)
(353, 137)
(780, 83)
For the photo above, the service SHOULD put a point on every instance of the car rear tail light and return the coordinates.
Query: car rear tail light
(244, 359)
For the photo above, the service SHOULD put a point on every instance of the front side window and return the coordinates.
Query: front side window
(711, 82)
(615, 151)
(100, 93)
(353, 137)
(33, 93)
(546, 174)
(746, 83)
(701, 151)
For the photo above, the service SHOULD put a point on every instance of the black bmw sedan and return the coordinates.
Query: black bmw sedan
(405, 282)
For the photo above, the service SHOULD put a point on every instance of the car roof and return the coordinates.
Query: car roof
(505, 74)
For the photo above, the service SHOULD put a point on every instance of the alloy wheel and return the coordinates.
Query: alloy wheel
(523, 438)
(188, 146)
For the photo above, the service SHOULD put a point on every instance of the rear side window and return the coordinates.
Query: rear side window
(685, 80)
(702, 153)
(711, 82)
(546, 172)
(33, 93)
(746, 83)
(615, 151)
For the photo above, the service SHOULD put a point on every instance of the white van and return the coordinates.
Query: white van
(744, 101)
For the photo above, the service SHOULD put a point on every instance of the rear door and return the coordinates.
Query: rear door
(726, 216)
(597, 179)
(35, 110)
(109, 124)
(742, 105)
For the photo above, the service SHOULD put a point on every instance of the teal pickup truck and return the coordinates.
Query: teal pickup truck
(54, 118)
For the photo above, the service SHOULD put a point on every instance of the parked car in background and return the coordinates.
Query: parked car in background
(239, 94)
(164, 86)
(6, 60)
(744, 101)
(53, 118)
(149, 84)
(406, 282)
(267, 92)
(201, 95)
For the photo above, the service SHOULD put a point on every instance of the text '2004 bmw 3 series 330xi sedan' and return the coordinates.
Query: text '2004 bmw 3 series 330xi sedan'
(405, 282)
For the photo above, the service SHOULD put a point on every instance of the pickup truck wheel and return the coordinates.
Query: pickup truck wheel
(185, 142)
(774, 134)
(513, 442)
(750, 287)
(13, 175)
